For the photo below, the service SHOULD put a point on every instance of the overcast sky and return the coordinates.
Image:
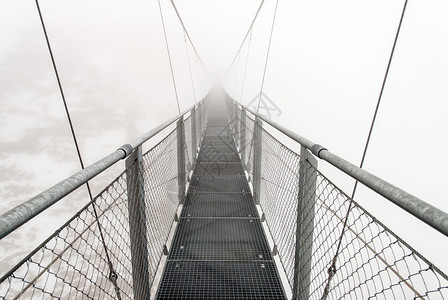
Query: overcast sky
(325, 69)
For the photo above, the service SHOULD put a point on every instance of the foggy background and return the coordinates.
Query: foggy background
(326, 65)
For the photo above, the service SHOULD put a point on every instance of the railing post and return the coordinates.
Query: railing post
(200, 122)
(180, 130)
(203, 119)
(257, 159)
(229, 108)
(243, 142)
(194, 144)
(305, 225)
(235, 120)
(205, 113)
(137, 225)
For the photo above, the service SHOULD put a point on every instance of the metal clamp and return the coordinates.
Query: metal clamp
(316, 149)
(127, 148)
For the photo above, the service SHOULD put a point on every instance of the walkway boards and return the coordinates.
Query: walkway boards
(219, 249)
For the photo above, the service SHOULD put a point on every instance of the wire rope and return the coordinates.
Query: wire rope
(112, 274)
(169, 56)
(247, 34)
(245, 66)
(186, 32)
(189, 67)
(332, 269)
(235, 82)
(267, 56)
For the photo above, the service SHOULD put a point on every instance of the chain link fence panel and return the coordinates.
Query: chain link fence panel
(91, 255)
(73, 263)
(372, 262)
(188, 144)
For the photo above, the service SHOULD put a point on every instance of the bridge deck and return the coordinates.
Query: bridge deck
(219, 248)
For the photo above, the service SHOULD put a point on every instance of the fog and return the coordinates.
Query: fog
(326, 65)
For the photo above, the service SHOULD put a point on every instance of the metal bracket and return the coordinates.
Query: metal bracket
(113, 276)
(263, 218)
(274, 250)
(332, 270)
(190, 174)
(165, 250)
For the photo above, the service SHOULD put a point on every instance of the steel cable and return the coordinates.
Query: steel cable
(169, 56)
(186, 32)
(189, 67)
(267, 55)
(245, 66)
(332, 269)
(112, 273)
(247, 34)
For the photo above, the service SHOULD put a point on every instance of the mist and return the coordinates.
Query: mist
(324, 73)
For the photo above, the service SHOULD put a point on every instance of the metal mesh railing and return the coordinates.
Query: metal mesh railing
(244, 138)
(161, 196)
(72, 262)
(189, 153)
(111, 249)
(372, 262)
(278, 197)
(113, 246)
(305, 213)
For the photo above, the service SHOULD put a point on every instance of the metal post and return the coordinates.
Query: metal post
(243, 142)
(257, 159)
(420, 209)
(203, 119)
(137, 225)
(305, 225)
(206, 106)
(237, 124)
(205, 112)
(194, 145)
(232, 109)
(181, 158)
(200, 124)
(235, 119)
(229, 108)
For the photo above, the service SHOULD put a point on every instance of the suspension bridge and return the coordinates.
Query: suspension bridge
(233, 213)
(221, 208)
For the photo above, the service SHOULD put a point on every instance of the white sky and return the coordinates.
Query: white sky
(325, 70)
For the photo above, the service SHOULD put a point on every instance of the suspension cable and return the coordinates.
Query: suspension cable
(188, 35)
(266, 64)
(201, 86)
(189, 67)
(267, 56)
(236, 75)
(169, 56)
(381, 92)
(247, 34)
(332, 269)
(112, 274)
(245, 66)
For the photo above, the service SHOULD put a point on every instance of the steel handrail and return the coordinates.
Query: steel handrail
(420, 209)
(22, 213)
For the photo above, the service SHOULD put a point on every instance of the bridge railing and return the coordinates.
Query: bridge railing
(307, 214)
(113, 246)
